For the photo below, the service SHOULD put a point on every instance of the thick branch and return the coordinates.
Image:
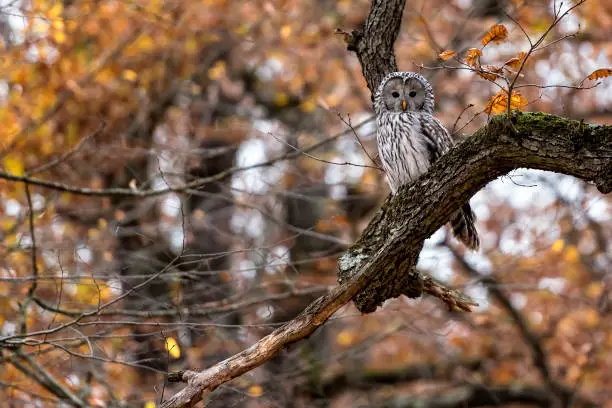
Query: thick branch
(530, 140)
(381, 264)
(373, 42)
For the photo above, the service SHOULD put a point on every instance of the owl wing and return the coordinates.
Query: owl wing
(437, 138)
(438, 142)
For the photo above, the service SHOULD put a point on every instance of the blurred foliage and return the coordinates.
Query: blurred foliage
(142, 95)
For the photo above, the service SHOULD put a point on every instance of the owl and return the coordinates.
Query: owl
(410, 139)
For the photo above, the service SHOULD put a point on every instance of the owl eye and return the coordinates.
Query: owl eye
(395, 94)
(412, 94)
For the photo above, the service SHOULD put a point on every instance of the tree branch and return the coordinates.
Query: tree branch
(530, 140)
(381, 264)
(373, 42)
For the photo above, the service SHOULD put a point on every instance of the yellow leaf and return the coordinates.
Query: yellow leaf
(281, 99)
(217, 71)
(91, 292)
(106, 76)
(557, 246)
(56, 10)
(191, 46)
(57, 24)
(13, 165)
(173, 348)
(446, 55)
(600, 73)
(308, 105)
(332, 100)
(149, 404)
(242, 29)
(571, 254)
(285, 31)
(144, 43)
(499, 102)
(472, 58)
(93, 233)
(345, 338)
(59, 36)
(590, 318)
(255, 391)
(594, 290)
(497, 34)
(129, 75)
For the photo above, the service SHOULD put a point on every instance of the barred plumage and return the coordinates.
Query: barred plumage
(410, 139)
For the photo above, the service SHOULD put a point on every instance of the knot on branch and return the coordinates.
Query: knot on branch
(351, 39)
(176, 376)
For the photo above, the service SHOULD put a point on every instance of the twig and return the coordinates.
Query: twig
(127, 192)
(70, 152)
(348, 123)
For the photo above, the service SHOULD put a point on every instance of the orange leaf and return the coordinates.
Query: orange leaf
(499, 102)
(472, 57)
(173, 347)
(497, 34)
(516, 62)
(255, 391)
(571, 254)
(600, 73)
(446, 55)
(557, 246)
(345, 338)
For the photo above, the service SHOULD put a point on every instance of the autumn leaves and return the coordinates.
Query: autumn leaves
(499, 102)
(506, 74)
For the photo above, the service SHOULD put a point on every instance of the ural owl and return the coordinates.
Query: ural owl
(410, 139)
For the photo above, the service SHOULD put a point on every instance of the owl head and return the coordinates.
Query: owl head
(403, 92)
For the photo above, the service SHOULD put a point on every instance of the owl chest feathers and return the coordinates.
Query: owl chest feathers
(403, 147)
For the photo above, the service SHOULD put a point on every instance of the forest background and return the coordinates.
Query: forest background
(180, 177)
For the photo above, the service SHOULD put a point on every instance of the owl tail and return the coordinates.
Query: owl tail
(463, 227)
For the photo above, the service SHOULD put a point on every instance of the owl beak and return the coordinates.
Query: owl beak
(404, 105)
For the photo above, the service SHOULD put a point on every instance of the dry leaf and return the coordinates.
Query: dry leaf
(13, 165)
(345, 338)
(497, 34)
(488, 72)
(600, 73)
(255, 391)
(571, 254)
(557, 246)
(173, 348)
(499, 102)
(515, 62)
(446, 55)
(472, 58)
